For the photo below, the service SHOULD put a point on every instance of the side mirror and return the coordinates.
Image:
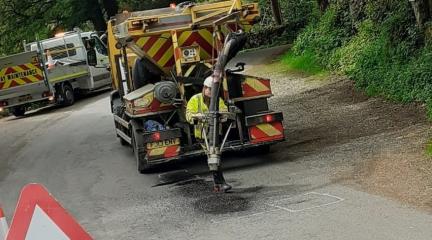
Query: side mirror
(240, 66)
(91, 57)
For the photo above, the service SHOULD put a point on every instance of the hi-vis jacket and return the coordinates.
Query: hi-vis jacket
(196, 105)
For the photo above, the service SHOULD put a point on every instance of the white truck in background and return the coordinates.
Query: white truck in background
(53, 71)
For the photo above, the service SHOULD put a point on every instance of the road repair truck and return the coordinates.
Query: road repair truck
(53, 71)
(160, 58)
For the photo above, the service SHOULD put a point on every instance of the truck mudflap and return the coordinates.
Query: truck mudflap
(265, 127)
(162, 144)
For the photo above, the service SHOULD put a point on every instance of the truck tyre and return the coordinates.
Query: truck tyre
(137, 147)
(68, 95)
(18, 111)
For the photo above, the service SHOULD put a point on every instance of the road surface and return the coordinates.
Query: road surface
(296, 192)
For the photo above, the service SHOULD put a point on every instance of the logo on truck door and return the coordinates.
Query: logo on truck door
(20, 75)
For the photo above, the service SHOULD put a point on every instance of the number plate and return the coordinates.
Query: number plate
(164, 143)
(25, 98)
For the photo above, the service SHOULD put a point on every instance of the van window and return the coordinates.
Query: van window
(63, 54)
(100, 47)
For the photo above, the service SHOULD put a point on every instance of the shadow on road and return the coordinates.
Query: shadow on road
(81, 101)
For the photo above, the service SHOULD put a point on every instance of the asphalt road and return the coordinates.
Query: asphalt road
(74, 152)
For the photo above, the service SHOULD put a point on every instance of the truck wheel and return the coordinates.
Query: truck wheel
(137, 145)
(18, 111)
(68, 95)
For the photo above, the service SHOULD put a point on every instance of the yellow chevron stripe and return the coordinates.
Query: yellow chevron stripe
(19, 81)
(256, 84)
(157, 151)
(204, 54)
(268, 129)
(7, 84)
(17, 69)
(156, 46)
(207, 35)
(190, 70)
(142, 41)
(183, 37)
(166, 57)
(32, 78)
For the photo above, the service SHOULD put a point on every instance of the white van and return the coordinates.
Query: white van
(53, 71)
(70, 48)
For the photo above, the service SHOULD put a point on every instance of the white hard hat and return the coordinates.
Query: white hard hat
(208, 82)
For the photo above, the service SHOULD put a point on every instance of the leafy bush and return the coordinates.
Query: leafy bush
(295, 14)
(384, 52)
(306, 63)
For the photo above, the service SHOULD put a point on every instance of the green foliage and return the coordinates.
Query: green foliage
(139, 5)
(295, 14)
(305, 63)
(429, 148)
(324, 36)
(384, 52)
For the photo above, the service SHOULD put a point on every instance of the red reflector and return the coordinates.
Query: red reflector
(3, 103)
(156, 136)
(268, 118)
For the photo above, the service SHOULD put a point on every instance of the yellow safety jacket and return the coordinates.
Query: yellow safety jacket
(196, 105)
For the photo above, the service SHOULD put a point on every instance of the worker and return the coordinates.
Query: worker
(196, 108)
(50, 62)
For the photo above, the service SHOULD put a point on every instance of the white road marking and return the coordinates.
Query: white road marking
(338, 200)
(279, 208)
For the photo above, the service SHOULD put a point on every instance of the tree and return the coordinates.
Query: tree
(323, 5)
(422, 11)
(111, 7)
(28, 19)
(277, 14)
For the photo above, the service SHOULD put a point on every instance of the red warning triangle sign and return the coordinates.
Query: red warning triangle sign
(39, 216)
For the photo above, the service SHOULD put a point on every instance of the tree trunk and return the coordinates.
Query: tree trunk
(111, 7)
(97, 18)
(277, 14)
(323, 5)
(421, 11)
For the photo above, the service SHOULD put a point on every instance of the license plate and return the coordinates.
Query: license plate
(164, 143)
(25, 98)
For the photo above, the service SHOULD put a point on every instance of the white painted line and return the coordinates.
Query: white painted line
(244, 216)
(279, 208)
(338, 200)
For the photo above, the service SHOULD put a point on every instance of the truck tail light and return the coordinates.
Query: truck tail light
(156, 136)
(268, 118)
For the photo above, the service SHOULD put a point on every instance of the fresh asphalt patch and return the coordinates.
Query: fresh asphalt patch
(242, 202)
